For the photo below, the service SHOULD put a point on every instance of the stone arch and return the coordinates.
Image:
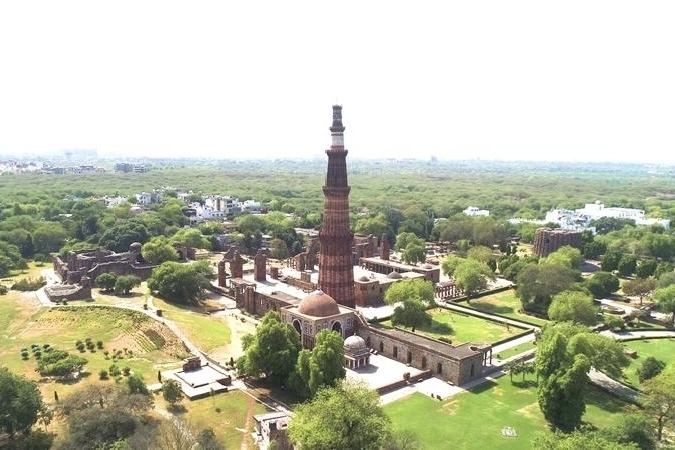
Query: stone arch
(297, 326)
(395, 351)
(381, 346)
(439, 368)
(337, 327)
(409, 357)
(424, 362)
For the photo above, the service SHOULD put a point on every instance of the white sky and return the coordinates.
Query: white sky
(565, 80)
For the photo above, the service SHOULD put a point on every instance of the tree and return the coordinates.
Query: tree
(406, 238)
(627, 265)
(472, 276)
(137, 385)
(602, 284)
(665, 297)
(658, 400)
(577, 440)
(633, 429)
(646, 268)
(565, 256)
(21, 404)
(278, 249)
(106, 281)
(450, 264)
(345, 416)
(480, 253)
(650, 368)
(48, 237)
(10, 258)
(376, 225)
(411, 314)
(565, 354)
(208, 440)
(191, 237)
(573, 306)
(119, 238)
(537, 284)
(605, 225)
(402, 440)
(639, 287)
(414, 289)
(158, 250)
(180, 283)
(272, 351)
(126, 283)
(413, 253)
(171, 391)
(610, 261)
(323, 365)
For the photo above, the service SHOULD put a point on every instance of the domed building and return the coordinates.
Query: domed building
(356, 351)
(316, 312)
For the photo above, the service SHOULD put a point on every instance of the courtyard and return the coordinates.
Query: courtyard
(462, 328)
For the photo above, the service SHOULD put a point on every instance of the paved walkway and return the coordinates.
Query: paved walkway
(473, 312)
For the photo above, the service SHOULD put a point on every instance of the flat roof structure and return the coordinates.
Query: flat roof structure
(382, 371)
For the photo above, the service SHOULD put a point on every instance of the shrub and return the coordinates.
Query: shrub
(37, 354)
(24, 354)
(3, 289)
(29, 284)
(46, 346)
(103, 375)
(650, 368)
(126, 371)
(114, 370)
(99, 344)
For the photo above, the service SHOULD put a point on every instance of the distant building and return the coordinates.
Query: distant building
(474, 211)
(580, 219)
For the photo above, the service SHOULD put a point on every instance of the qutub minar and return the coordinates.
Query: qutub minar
(336, 273)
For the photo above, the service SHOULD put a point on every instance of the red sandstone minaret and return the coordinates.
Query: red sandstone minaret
(336, 274)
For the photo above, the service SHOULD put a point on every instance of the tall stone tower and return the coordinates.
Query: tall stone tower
(336, 274)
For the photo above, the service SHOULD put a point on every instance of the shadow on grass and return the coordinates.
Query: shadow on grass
(491, 308)
(603, 400)
(487, 385)
(527, 384)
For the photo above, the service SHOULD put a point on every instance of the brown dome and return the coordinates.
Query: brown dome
(318, 304)
(395, 275)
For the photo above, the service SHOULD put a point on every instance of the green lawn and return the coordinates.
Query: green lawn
(520, 348)
(662, 349)
(229, 414)
(475, 419)
(461, 328)
(21, 324)
(206, 332)
(505, 303)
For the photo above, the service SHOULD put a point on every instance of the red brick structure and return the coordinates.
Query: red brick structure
(336, 273)
(546, 240)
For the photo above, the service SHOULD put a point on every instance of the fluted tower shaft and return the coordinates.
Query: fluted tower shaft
(336, 274)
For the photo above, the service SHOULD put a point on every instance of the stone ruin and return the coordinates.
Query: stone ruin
(547, 240)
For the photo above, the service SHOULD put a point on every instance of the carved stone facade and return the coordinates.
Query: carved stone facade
(336, 274)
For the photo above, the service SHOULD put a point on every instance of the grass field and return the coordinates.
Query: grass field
(505, 303)
(22, 324)
(229, 414)
(206, 332)
(475, 419)
(515, 350)
(662, 349)
(463, 328)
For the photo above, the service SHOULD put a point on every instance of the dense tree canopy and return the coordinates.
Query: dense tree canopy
(412, 313)
(21, 404)
(158, 250)
(180, 283)
(321, 366)
(665, 297)
(602, 284)
(416, 289)
(472, 276)
(272, 351)
(119, 237)
(573, 306)
(345, 416)
(537, 284)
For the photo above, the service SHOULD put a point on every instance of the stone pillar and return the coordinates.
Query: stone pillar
(384, 248)
(260, 266)
(237, 266)
(222, 275)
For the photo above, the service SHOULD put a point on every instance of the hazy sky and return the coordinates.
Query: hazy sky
(565, 80)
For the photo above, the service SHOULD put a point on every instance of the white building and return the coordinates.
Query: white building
(475, 211)
(580, 218)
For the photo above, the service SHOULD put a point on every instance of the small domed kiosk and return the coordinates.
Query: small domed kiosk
(356, 352)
